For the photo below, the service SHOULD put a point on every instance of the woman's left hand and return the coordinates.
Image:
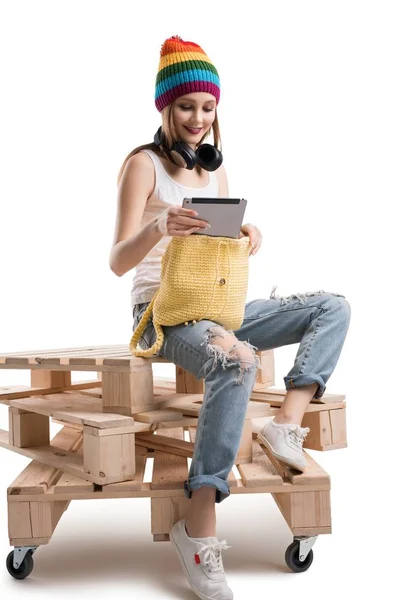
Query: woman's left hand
(254, 234)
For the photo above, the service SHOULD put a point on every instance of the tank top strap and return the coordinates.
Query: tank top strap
(159, 168)
(213, 178)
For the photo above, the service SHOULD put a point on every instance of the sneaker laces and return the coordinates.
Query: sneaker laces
(298, 435)
(212, 555)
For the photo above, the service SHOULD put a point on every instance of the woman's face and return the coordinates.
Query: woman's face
(193, 116)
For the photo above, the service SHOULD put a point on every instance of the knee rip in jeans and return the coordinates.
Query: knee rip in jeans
(301, 297)
(231, 356)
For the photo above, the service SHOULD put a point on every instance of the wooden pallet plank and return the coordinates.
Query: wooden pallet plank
(72, 483)
(260, 472)
(313, 474)
(48, 404)
(81, 410)
(146, 492)
(37, 478)
(59, 458)
(165, 444)
(94, 419)
(169, 470)
(14, 392)
(264, 394)
(254, 409)
(69, 351)
(276, 397)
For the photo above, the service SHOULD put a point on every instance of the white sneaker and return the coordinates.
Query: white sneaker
(202, 563)
(285, 442)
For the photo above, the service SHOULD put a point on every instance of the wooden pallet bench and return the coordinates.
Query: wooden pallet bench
(127, 421)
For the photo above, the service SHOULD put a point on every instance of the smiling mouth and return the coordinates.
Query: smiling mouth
(193, 130)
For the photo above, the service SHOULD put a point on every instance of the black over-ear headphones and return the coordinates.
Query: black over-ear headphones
(206, 155)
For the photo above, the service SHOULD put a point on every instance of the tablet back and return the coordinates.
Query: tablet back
(225, 215)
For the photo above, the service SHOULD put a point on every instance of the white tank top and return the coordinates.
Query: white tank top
(147, 274)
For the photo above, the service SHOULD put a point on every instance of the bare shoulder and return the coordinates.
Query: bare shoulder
(139, 172)
(140, 160)
(135, 187)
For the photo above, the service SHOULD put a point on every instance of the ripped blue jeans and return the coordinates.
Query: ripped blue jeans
(319, 321)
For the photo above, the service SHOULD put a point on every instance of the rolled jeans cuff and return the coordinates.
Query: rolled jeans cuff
(299, 380)
(221, 486)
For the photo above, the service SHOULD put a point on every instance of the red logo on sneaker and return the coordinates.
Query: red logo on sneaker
(197, 559)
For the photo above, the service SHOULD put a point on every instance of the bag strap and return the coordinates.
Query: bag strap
(136, 351)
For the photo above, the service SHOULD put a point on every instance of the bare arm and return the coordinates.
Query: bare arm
(131, 244)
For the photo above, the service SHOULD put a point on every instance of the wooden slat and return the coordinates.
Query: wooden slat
(165, 419)
(165, 444)
(47, 405)
(37, 478)
(23, 391)
(169, 470)
(54, 456)
(276, 396)
(312, 475)
(117, 355)
(64, 351)
(155, 416)
(260, 472)
(268, 395)
(81, 410)
(254, 409)
(72, 483)
(92, 419)
(146, 492)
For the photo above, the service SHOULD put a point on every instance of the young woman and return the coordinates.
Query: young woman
(153, 181)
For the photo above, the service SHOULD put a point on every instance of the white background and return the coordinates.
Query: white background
(309, 117)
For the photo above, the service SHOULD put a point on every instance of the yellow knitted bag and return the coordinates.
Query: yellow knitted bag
(202, 277)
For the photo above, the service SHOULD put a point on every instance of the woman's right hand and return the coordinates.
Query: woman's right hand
(179, 222)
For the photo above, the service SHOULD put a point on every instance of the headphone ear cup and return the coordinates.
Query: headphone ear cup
(209, 157)
(183, 155)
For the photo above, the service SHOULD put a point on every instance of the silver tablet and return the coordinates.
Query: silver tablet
(225, 215)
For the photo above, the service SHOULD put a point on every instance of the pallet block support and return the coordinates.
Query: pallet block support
(128, 393)
(327, 429)
(109, 453)
(28, 429)
(48, 379)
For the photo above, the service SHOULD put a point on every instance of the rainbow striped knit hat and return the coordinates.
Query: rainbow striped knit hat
(184, 67)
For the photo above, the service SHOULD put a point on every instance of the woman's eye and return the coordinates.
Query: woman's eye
(189, 108)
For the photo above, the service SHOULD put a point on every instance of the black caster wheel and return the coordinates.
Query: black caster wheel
(25, 567)
(293, 561)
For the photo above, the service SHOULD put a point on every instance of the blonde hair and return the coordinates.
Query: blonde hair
(171, 137)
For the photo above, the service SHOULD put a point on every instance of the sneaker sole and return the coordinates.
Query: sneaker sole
(194, 588)
(279, 457)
